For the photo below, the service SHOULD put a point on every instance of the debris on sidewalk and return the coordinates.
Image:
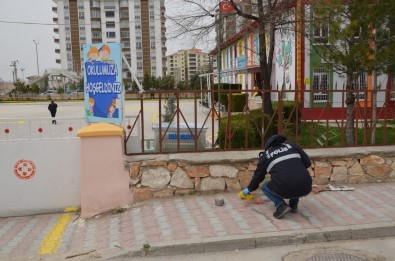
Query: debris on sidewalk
(254, 202)
(330, 187)
(219, 202)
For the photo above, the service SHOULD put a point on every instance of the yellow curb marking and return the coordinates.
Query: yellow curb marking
(51, 242)
(12, 122)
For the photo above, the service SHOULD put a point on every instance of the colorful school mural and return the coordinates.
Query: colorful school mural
(297, 66)
(103, 83)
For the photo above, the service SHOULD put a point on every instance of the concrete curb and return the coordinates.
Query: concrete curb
(240, 242)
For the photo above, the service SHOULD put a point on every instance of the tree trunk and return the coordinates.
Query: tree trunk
(264, 70)
(350, 101)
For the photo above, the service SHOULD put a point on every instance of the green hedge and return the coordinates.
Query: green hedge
(223, 88)
(238, 128)
(238, 102)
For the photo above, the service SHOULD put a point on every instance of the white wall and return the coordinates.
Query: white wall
(56, 183)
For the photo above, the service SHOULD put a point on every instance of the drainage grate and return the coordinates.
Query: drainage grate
(336, 257)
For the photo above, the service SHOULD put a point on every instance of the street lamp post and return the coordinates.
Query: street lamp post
(38, 69)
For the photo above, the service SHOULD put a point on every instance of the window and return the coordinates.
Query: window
(125, 34)
(68, 46)
(110, 34)
(151, 14)
(320, 29)
(138, 45)
(124, 24)
(109, 5)
(66, 7)
(95, 3)
(137, 16)
(137, 26)
(138, 36)
(139, 56)
(320, 84)
(96, 35)
(153, 45)
(136, 5)
(125, 44)
(110, 14)
(82, 28)
(139, 65)
(81, 15)
(95, 24)
(123, 3)
(360, 84)
(80, 5)
(68, 37)
(95, 14)
(66, 15)
(124, 14)
(110, 24)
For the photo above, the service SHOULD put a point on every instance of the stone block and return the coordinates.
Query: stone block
(371, 159)
(155, 178)
(223, 171)
(180, 179)
(163, 193)
(172, 167)
(245, 178)
(134, 169)
(232, 185)
(140, 194)
(198, 171)
(379, 172)
(212, 184)
(356, 170)
(322, 169)
(339, 173)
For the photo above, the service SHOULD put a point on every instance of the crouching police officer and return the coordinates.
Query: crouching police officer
(287, 164)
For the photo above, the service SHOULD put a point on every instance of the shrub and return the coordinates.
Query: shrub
(238, 102)
(238, 130)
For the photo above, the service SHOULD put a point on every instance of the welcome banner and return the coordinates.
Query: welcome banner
(103, 83)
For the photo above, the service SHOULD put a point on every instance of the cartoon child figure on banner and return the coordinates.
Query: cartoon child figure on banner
(105, 53)
(93, 54)
(112, 108)
(91, 105)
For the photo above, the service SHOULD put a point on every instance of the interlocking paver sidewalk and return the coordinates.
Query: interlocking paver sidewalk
(196, 222)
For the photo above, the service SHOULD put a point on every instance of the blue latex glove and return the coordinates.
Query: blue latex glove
(246, 191)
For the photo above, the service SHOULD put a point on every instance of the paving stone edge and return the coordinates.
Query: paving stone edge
(240, 242)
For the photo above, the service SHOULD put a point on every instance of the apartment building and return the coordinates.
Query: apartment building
(186, 63)
(139, 25)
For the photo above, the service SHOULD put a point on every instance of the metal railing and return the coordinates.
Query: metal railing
(201, 123)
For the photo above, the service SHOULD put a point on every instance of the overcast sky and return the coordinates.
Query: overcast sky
(17, 44)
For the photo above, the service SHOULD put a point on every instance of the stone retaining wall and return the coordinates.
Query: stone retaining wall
(157, 176)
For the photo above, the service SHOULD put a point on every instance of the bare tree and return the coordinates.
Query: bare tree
(268, 15)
